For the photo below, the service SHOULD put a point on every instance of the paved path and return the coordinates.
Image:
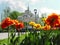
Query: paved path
(5, 35)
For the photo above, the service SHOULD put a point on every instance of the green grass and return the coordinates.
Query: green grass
(5, 41)
(22, 36)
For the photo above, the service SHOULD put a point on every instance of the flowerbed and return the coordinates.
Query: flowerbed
(34, 38)
(49, 34)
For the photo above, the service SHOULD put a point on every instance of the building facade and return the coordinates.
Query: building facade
(28, 16)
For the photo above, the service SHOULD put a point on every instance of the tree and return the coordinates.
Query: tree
(14, 14)
(6, 12)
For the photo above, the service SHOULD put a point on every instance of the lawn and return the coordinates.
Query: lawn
(5, 41)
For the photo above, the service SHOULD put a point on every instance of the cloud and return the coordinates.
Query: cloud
(33, 2)
(14, 4)
(48, 11)
(17, 4)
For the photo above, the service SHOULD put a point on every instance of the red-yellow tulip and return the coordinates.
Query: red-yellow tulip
(52, 20)
(6, 22)
(37, 26)
(19, 26)
(46, 27)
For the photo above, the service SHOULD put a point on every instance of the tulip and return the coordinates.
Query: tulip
(19, 26)
(32, 23)
(52, 20)
(37, 26)
(46, 27)
(6, 23)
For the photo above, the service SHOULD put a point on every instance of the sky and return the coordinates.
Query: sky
(42, 6)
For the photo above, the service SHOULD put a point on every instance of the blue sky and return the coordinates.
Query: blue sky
(43, 6)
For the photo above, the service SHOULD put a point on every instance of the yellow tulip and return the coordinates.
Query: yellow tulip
(37, 26)
(43, 19)
(32, 23)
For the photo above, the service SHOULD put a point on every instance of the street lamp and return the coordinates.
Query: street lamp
(35, 11)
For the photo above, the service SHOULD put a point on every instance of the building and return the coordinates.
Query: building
(28, 16)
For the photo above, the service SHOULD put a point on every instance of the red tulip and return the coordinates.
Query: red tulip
(6, 22)
(19, 26)
(52, 20)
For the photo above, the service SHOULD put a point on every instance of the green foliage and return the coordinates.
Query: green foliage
(15, 14)
(51, 37)
(4, 41)
(42, 38)
(0, 29)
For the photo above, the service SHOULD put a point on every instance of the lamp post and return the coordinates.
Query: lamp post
(35, 11)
